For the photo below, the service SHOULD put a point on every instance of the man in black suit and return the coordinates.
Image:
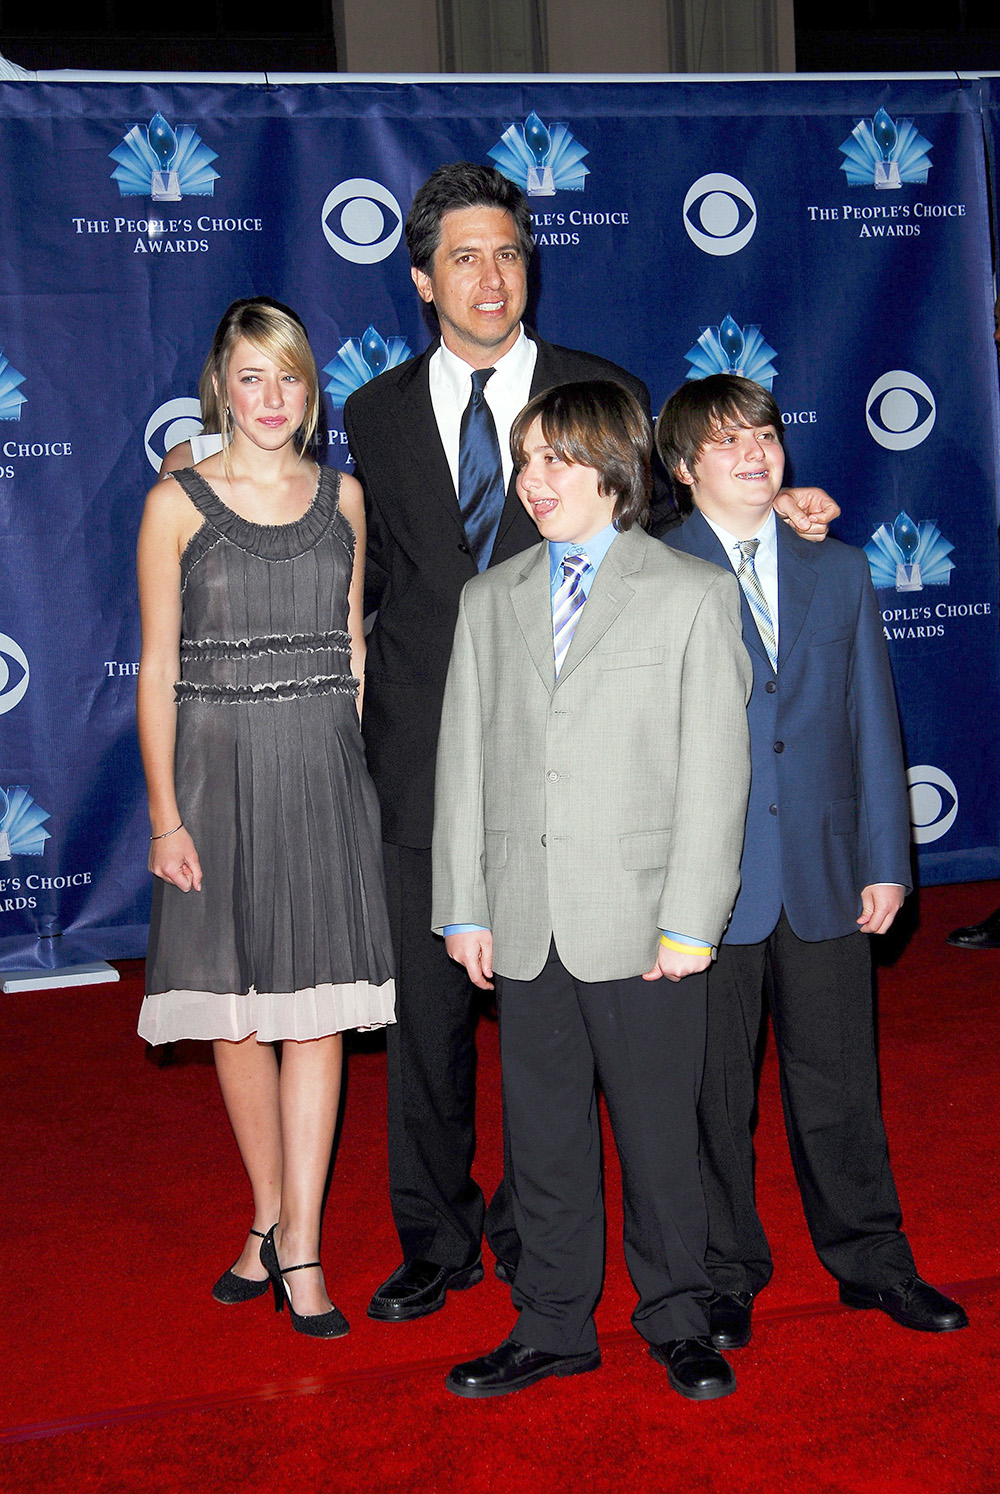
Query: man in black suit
(439, 483)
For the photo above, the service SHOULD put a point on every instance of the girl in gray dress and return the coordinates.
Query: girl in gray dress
(269, 922)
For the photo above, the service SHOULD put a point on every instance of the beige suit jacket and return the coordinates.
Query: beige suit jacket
(602, 807)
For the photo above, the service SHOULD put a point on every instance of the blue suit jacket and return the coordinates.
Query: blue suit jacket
(828, 811)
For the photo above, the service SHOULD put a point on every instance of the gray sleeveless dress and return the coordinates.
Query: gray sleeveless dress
(289, 936)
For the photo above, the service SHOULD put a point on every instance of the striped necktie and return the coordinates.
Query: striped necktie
(480, 472)
(754, 592)
(567, 604)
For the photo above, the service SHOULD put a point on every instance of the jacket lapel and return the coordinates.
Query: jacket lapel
(416, 420)
(610, 592)
(531, 598)
(796, 583)
(701, 539)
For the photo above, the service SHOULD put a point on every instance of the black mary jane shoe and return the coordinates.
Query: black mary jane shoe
(512, 1366)
(231, 1289)
(695, 1369)
(330, 1324)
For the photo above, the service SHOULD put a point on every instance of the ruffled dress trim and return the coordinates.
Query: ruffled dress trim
(297, 1016)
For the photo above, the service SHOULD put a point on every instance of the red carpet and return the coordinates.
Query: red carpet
(125, 1200)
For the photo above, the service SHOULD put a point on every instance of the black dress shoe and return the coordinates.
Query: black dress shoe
(513, 1366)
(695, 1369)
(729, 1319)
(985, 935)
(417, 1288)
(913, 1303)
(505, 1271)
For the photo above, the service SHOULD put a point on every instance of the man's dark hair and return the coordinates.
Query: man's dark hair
(698, 410)
(599, 424)
(462, 185)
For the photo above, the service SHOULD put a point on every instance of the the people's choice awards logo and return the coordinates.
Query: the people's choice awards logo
(541, 159)
(884, 153)
(900, 410)
(730, 348)
(360, 359)
(908, 555)
(356, 223)
(14, 673)
(11, 398)
(21, 821)
(174, 421)
(720, 215)
(933, 803)
(164, 164)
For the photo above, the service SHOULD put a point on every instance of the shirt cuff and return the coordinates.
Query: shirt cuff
(464, 928)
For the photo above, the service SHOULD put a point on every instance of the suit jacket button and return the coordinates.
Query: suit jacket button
(770, 687)
(772, 808)
(464, 548)
(779, 746)
(552, 777)
(544, 842)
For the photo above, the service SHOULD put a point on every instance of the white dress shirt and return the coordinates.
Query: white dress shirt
(506, 392)
(765, 561)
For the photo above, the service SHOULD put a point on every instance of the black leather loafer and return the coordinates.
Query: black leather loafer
(505, 1271)
(417, 1288)
(512, 1366)
(695, 1369)
(729, 1324)
(914, 1303)
(985, 935)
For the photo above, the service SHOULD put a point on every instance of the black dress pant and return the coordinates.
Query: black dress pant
(645, 1040)
(820, 995)
(437, 1207)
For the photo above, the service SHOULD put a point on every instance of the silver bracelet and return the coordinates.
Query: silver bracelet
(168, 832)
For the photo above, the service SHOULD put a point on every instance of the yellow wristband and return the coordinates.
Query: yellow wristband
(691, 949)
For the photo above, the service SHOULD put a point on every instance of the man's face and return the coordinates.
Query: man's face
(477, 282)
(737, 476)
(562, 497)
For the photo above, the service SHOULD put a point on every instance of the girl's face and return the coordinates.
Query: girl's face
(268, 402)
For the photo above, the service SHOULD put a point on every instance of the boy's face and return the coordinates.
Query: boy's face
(561, 497)
(737, 477)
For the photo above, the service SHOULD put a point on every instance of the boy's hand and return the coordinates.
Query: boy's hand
(810, 511)
(675, 965)
(879, 905)
(474, 950)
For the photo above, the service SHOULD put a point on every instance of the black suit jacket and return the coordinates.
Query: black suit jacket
(418, 562)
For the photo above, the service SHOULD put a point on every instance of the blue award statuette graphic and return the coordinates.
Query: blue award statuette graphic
(11, 398)
(909, 555)
(541, 159)
(21, 821)
(885, 153)
(360, 359)
(730, 348)
(155, 161)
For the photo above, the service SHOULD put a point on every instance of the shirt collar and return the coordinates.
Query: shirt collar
(767, 534)
(508, 369)
(596, 548)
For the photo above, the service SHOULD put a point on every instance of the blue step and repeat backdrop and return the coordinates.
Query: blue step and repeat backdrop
(828, 238)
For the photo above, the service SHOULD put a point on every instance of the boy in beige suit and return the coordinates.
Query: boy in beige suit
(592, 778)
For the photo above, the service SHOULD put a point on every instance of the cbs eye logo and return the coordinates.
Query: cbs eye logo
(933, 803)
(356, 224)
(900, 410)
(719, 213)
(13, 681)
(171, 423)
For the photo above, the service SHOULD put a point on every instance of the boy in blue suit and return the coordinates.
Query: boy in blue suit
(825, 862)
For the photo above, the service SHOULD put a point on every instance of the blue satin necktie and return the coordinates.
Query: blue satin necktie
(480, 472)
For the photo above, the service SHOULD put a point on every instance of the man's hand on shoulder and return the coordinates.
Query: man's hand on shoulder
(474, 950)
(809, 511)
